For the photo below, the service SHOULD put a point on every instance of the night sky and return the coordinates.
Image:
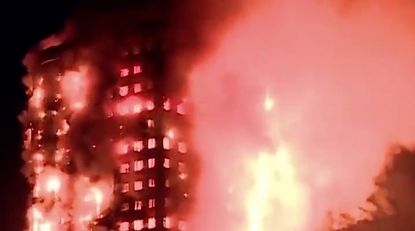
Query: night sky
(23, 24)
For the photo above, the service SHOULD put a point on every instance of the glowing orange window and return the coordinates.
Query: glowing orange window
(150, 123)
(122, 147)
(137, 88)
(152, 203)
(137, 69)
(150, 105)
(151, 223)
(124, 168)
(151, 183)
(166, 163)
(125, 187)
(138, 225)
(166, 143)
(138, 185)
(123, 90)
(181, 109)
(138, 145)
(138, 205)
(182, 147)
(151, 163)
(151, 143)
(124, 226)
(138, 165)
(167, 222)
(124, 72)
(167, 105)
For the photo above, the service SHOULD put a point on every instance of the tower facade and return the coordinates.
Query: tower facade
(105, 142)
(151, 145)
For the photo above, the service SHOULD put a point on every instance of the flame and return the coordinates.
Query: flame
(53, 184)
(74, 86)
(91, 200)
(276, 195)
(129, 105)
(37, 98)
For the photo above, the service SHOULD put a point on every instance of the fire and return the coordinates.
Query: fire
(268, 104)
(276, 195)
(50, 183)
(37, 97)
(53, 184)
(130, 105)
(91, 200)
(333, 129)
(74, 86)
(62, 200)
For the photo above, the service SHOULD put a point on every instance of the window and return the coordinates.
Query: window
(125, 207)
(182, 147)
(151, 183)
(150, 123)
(150, 105)
(151, 143)
(166, 163)
(138, 165)
(181, 168)
(124, 72)
(125, 168)
(167, 222)
(166, 143)
(138, 145)
(122, 147)
(138, 224)
(151, 162)
(151, 203)
(123, 91)
(181, 109)
(137, 107)
(151, 223)
(138, 185)
(167, 183)
(182, 226)
(124, 226)
(137, 88)
(137, 69)
(125, 187)
(167, 105)
(138, 205)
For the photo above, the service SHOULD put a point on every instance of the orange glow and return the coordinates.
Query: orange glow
(276, 193)
(122, 147)
(92, 198)
(64, 129)
(50, 182)
(130, 105)
(338, 79)
(37, 98)
(74, 86)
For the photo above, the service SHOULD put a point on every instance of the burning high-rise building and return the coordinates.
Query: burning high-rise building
(105, 135)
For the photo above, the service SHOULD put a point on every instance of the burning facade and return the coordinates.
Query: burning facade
(105, 142)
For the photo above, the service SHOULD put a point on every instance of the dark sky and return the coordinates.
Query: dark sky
(23, 24)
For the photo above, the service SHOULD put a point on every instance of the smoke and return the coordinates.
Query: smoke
(340, 73)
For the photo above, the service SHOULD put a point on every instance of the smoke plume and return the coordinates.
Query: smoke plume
(340, 74)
